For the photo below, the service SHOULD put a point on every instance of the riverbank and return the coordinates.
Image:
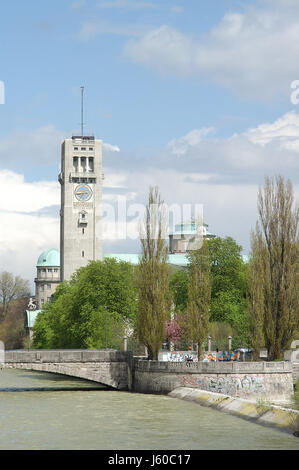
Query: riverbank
(284, 419)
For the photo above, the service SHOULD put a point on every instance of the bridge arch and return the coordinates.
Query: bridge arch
(110, 368)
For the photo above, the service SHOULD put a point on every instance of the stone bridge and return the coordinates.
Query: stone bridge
(120, 370)
(110, 368)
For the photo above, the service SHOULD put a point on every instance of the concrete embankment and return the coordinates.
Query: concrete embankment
(260, 412)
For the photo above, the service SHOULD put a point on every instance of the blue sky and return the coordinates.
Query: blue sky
(192, 96)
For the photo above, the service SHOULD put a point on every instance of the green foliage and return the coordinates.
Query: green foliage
(179, 288)
(273, 271)
(228, 274)
(228, 270)
(196, 317)
(229, 284)
(90, 311)
(219, 332)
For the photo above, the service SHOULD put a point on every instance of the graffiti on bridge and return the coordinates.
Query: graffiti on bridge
(227, 385)
(179, 356)
(222, 356)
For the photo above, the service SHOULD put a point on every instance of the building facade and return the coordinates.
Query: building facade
(81, 203)
(185, 237)
(47, 276)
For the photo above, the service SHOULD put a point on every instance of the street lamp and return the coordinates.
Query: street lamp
(105, 327)
(28, 320)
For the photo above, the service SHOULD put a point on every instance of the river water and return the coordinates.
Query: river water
(39, 410)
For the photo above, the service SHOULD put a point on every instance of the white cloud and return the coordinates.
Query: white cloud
(180, 146)
(254, 53)
(114, 180)
(21, 196)
(284, 131)
(24, 231)
(164, 49)
(268, 147)
(110, 147)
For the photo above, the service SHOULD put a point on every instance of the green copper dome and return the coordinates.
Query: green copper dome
(50, 257)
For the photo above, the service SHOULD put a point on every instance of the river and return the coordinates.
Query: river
(44, 411)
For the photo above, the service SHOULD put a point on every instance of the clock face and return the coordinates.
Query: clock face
(83, 192)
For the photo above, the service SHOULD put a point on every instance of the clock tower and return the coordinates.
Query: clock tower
(81, 203)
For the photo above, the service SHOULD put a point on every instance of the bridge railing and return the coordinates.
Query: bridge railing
(66, 355)
(213, 367)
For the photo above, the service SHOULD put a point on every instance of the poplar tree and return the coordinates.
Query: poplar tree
(274, 269)
(256, 285)
(196, 318)
(154, 299)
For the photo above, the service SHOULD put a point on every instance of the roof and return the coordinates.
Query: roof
(190, 228)
(50, 257)
(176, 259)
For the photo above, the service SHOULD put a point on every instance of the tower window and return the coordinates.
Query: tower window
(75, 163)
(83, 218)
(90, 164)
(83, 163)
(83, 231)
(82, 254)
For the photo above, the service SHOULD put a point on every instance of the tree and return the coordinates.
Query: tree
(228, 278)
(154, 297)
(12, 288)
(174, 332)
(227, 266)
(196, 318)
(92, 310)
(274, 267)
(179, 288)
(12, 331)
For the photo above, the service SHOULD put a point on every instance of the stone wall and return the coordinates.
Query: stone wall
(284, 419)
(271, 381)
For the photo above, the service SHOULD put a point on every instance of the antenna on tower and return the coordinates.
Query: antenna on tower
(82, 108)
